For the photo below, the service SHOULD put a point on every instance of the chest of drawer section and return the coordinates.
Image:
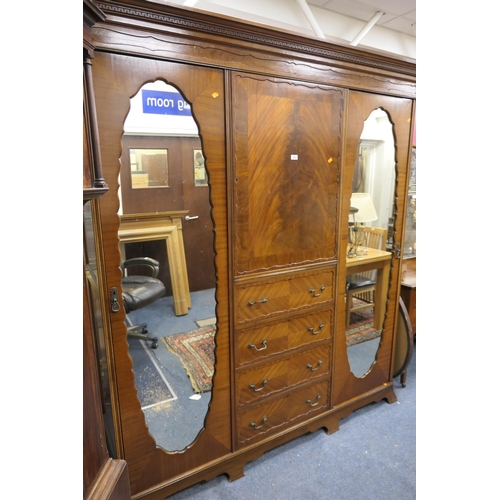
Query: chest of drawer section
(278, 337)
(256, 382)
(279, 295)
(283, 351)
(273, 415)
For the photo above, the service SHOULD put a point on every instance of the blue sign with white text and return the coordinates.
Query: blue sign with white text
(164, 103)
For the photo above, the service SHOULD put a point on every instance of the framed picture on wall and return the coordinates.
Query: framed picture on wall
(200, 174)
(149, 168)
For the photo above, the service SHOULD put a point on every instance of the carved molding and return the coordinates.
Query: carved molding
(91, 15)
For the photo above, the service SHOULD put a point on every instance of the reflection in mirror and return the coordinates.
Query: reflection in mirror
(200, 174)
(370, 235)
(92, 276)
(410, 246)
(148, 168)
(167, 251)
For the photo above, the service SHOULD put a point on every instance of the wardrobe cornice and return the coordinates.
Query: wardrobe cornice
(166, 31)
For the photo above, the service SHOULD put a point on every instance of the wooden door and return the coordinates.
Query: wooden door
(116, 79)
(178, 191)
(198, 226)
(400, 111)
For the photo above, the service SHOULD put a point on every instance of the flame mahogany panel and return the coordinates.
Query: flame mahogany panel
(286, 148)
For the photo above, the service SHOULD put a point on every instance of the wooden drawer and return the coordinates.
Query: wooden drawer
(269, 378)
(257, 422)
(279, 295)
(275, 338)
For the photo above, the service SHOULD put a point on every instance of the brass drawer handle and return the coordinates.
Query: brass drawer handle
(252, 303)
(320, 362)
(253, 346)
(252, 386)
(311, 329)
(308, 401)
(313, 291)
(255, 426)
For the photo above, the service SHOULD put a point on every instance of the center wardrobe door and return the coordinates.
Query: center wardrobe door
(286, 154)
(117, 79)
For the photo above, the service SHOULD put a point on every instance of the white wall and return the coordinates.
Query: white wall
(378, 132)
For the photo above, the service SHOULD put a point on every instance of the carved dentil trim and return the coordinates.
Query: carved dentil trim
(170, 19)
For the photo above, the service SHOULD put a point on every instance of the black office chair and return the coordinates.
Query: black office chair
(140, 291)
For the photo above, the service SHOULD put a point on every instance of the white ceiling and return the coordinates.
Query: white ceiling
(387, 25)
(399, 15)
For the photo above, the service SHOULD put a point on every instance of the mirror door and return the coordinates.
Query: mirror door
(171, 334)
(375, 167)
(166, 201)
(371, 213)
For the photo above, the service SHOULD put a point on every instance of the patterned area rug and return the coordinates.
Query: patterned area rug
(361, 328)
(196, 348)
(196, 351)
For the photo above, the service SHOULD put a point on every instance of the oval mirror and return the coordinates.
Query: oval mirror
(370, 224)
(167, 251)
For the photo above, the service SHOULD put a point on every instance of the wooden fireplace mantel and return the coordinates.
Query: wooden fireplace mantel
(161, 226)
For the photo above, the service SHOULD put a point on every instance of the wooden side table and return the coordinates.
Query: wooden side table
(378, 260)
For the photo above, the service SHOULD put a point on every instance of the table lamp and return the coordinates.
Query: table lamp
(362, 210)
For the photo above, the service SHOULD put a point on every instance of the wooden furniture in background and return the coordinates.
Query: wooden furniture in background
(409, 290)
(375, 237)
(280, 141)
(161, 226)
(404, 344)
(374, 260)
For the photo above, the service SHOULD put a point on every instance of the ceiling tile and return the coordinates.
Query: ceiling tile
(398, 15)
(397, 7)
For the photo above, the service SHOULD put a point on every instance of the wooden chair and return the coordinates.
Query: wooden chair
(362, 285)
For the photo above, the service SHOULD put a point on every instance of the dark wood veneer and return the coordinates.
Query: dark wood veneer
(234, 30)
(286, 147)
(167, 32)
(113, 92)
(104, 478)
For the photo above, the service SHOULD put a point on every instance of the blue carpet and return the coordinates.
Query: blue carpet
(150, 380)
(371, 457)
(173, 421)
